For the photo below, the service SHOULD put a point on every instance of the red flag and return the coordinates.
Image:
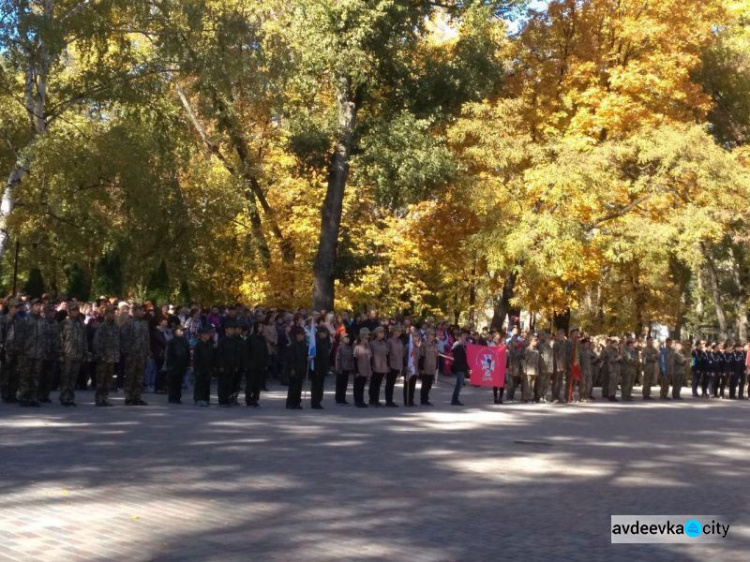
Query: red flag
(487, 365)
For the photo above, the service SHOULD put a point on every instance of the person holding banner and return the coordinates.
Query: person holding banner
(460, 366)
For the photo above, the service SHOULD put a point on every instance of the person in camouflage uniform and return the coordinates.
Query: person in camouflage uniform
(515, 363)
(613, 359)
(135, 347)
(650, 367)
(561, 352)
(629, 367)
(35, 342)
(53, 354)
(107, 350)
(74, 349)
(12, 332)
(669, 366)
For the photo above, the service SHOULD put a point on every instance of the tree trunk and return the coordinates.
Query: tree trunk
(740, 300)
(713, 282)
(324, 268)
(501, 306)
(38, 65)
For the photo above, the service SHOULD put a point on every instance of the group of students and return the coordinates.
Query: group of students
(571, 365)
(45, 345)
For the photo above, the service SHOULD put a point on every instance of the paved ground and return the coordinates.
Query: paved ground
(481, 483)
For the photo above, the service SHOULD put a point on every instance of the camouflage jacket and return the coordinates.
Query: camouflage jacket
(36, 338)
(107, 342)
(53, 340)
(73, 340)
(13, 334)
(134, 338)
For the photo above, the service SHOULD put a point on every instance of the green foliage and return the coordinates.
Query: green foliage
(34, 286)
(78, 284)
(108, 276)
(158, 290)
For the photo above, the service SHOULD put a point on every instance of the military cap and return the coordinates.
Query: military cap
(110, 308)
(397, 328)
(574, 329)
(73, 305)
(379, 329)
(364, 333)
(15, 303)
(49, 307)
(35, 301)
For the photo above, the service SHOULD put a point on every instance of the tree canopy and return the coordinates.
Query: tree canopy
(584, 158)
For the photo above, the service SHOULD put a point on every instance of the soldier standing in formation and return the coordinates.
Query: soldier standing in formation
(135, 346)
(204, 362)
(668, 369)
(258, 361)
(629, 368)
(178, 361)
(34, 344)
(561, 361)
(613, 359)
(52, 355)
(650, 367)
(74, 344)
(107, 351)
(299, 362)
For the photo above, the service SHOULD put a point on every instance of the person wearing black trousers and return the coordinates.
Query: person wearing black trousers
(343, 365)
(321, 366)
(396, 356)
(258, 360)
(297, 368)
(413, 354)
(696, 366)
(178, 360)
(204, 362)
(738, 373)
(229, 362)
(362, 367)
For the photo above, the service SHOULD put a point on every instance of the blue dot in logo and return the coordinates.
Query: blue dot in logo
(693, 528)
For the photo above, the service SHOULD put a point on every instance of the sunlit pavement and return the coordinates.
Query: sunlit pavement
(483, 482)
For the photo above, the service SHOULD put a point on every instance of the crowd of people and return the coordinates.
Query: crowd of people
(50, 343)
